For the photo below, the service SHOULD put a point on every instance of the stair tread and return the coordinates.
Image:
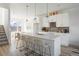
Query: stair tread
(3, 37)
(2, 43)
(3, 40)
(2, 33)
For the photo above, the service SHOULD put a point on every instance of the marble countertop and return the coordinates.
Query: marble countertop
(50, 36)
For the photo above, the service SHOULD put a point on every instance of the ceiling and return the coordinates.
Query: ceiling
(41, 8)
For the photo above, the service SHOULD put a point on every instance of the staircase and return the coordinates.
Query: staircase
(3, 37)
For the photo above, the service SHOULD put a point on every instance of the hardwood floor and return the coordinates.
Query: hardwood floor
(69, 51)
(11, 50)
(6, 50)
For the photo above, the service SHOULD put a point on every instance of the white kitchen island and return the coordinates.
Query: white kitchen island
(48, 41)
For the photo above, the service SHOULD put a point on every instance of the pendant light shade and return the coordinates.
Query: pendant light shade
(47, 10)
(36, 19)
(35, 13)
(27, 13)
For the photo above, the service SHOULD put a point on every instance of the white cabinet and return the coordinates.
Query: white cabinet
(62, 20)
(43, 46)
(59, 21)
(35, 28)
(45, 22)
(52, 18)
(65, 19)
(65, 40)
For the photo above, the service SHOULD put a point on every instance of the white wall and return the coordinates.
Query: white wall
(4, 5)
(1, 17)
(18, 12)
(6, 23)
(74, 26)
(4, 18)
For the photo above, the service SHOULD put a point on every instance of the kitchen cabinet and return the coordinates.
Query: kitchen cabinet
(59, 21)
(52, 18)
(45, 22)
(65, 40)
(35, 27)
(65, 19)
(62, 20)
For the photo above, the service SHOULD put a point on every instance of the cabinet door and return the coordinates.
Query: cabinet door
(45, 22)
(62, 20)
(52, 18)
(59, 21)
(65, 20)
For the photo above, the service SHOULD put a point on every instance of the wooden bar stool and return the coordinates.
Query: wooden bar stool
(19, 41)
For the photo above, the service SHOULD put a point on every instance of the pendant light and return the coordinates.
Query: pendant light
(27, 13)
(47, 10)
(35, 12)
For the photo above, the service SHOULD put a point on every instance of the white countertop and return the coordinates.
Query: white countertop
(48, 35)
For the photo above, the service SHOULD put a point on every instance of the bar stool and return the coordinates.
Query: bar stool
(28, 45)
(17, 37)
(19, 41)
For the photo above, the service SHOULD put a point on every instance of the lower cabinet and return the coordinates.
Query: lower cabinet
(39, 45)
(44, 47)
(65, 40)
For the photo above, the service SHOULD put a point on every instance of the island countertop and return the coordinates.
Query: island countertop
(47, 40)
(50, 36)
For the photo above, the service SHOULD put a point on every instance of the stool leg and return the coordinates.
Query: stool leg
(16, 43)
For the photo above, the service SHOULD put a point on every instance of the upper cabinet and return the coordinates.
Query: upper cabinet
(59, 21)
(65, 18)
(62, 20)
(52, 18)
(45, 22)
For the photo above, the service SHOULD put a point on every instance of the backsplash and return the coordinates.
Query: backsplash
(53, 28)
(56, 29)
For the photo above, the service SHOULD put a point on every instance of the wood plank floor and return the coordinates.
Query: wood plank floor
(6, 50)
(69, 51)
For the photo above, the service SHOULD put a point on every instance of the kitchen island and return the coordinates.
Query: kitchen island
(45, 44)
